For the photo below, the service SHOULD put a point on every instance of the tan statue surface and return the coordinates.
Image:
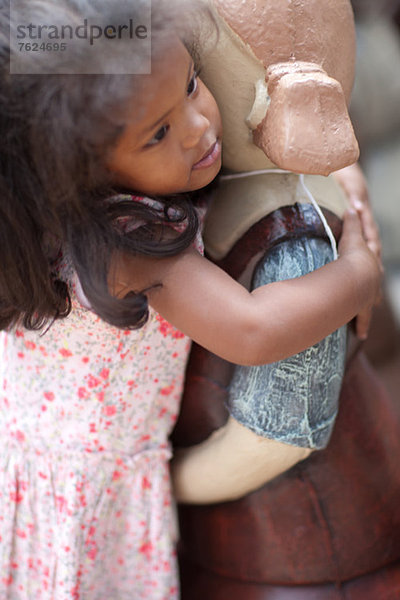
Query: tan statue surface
(282, 74)
(273, 57)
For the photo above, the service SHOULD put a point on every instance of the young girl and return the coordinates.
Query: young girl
(91, 376)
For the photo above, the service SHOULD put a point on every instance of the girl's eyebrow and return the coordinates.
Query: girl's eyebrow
(165, 115)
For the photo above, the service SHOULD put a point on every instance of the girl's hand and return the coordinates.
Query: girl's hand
(353, 241)
(354, 184)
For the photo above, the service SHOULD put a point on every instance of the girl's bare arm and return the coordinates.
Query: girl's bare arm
(270, 323)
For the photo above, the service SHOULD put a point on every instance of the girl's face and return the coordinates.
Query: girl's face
(172, 140)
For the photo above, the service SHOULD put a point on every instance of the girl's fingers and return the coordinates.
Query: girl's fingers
(369, 227)
(363, 321)
(351, 228)
(351, 219)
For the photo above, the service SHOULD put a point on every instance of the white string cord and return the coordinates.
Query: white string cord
(321, 215)
(307, 192)
(251, 173)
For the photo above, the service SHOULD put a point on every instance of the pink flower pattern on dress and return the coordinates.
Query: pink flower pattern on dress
(86, 409)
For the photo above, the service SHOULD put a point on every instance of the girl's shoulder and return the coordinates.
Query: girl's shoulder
(170, 216)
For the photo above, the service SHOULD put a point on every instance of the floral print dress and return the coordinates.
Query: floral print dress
(85, 502)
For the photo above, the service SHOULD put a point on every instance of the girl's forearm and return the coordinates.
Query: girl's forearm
(274, 321)
(303, 311)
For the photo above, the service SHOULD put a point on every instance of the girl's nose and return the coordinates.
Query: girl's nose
(195, 127)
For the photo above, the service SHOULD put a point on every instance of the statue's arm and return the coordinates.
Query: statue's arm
(279, 412)
(232, 462)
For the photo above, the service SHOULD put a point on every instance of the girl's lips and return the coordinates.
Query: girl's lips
(210, 157)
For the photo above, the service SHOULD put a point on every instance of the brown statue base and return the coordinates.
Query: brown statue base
(198, 584)
(327, 529)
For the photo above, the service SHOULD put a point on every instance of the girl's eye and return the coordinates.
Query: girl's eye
(160, 135)
(193, 83)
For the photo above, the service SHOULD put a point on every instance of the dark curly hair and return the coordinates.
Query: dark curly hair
(55, 133)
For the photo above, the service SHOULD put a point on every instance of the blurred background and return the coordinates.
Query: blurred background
(375, 111)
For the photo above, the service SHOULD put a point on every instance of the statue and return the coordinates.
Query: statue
(329, 526)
